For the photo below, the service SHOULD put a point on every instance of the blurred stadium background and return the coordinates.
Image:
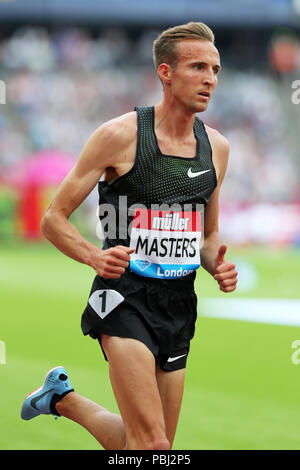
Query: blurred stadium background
(66, 67)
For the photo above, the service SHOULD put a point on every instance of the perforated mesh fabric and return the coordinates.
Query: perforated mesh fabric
(156, 178)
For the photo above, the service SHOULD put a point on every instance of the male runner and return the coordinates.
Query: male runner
(142, 306)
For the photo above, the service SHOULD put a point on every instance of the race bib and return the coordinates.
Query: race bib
(166, 243)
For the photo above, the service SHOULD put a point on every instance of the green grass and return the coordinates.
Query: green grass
(241, 392)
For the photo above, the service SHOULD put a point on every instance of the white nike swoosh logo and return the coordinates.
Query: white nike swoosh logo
(171, 359)
(198, 173)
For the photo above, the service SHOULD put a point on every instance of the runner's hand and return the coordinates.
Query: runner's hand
(111, 263)
(225, 272)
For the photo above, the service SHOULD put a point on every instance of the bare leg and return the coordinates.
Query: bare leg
(105, 426)
(133, 379)
(149, 400)
(171, 385)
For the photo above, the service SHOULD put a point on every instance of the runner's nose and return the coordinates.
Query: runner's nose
(210, 78)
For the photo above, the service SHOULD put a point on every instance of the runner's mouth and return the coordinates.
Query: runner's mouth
(204, 93)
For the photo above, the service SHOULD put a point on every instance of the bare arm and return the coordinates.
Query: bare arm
(213, 252)
(101, 151)
(212, 242)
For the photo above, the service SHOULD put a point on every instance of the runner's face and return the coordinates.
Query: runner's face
(195, 76)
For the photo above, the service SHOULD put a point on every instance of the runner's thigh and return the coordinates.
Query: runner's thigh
(170, 386)
(132, 374)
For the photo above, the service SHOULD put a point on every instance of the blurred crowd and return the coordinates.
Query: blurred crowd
(62, 84)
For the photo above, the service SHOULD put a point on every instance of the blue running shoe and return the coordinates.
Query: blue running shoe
(43, 400)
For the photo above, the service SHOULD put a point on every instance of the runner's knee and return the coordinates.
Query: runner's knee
(161, 444)
(150, 436)
(151, 443)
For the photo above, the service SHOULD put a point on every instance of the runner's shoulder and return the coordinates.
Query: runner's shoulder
(220, 151)
(217, 140)
(119, 131)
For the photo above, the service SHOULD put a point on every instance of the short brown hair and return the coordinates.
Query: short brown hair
(164, 45)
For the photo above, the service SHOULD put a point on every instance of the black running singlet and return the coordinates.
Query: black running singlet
(154, 207)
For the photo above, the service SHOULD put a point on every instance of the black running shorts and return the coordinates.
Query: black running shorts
(159, 313)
